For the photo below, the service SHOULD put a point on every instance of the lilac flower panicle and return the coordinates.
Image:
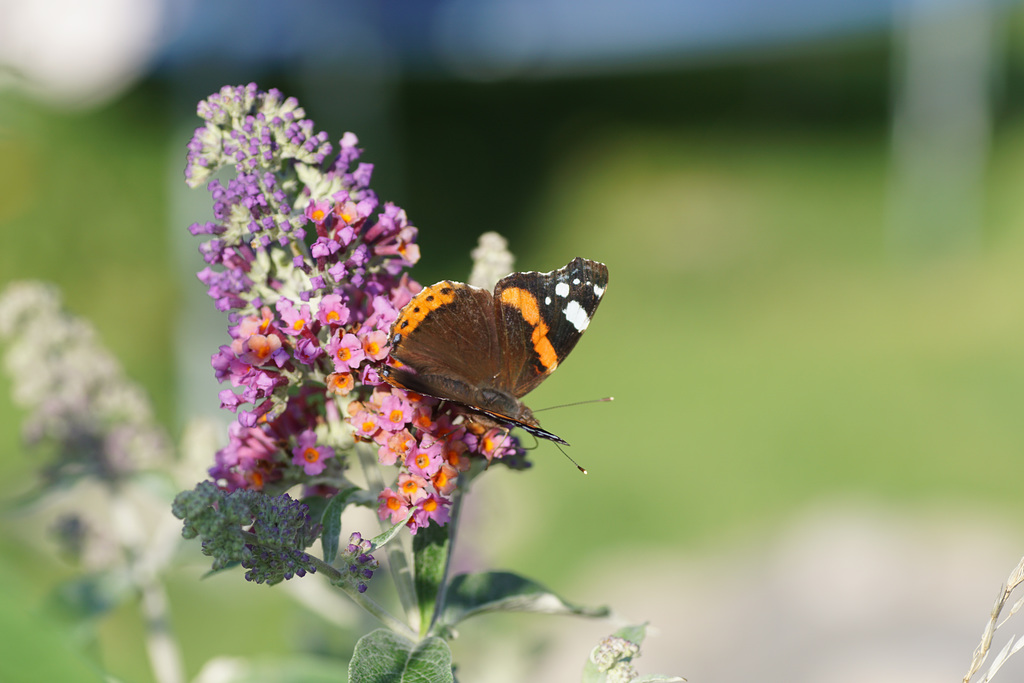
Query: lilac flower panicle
(78, 400)
(311, 267)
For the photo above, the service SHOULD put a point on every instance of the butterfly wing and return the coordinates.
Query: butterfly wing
(447, 335)
(541, 318)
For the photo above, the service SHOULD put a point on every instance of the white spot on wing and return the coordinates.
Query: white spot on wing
(547, 301)
(576, 281)
(575, 314)
(562, 289)
(598, 291)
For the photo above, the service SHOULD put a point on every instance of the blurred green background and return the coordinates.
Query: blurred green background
(769, 342)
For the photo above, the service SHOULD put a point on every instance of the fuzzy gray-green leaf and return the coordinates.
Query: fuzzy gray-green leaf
(470, 594)
(331, 522)
(383, 656)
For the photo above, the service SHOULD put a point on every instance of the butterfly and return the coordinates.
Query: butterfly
(485, 350)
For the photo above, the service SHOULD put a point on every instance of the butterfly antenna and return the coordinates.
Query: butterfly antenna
(570, 458)
(606, 399)
(537, 442)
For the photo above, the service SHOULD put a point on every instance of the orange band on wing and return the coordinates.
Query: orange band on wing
(526, 304)
(431, 298)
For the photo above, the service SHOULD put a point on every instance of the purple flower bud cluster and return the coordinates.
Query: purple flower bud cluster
(282, 527)
(358, 562)
(272, 566)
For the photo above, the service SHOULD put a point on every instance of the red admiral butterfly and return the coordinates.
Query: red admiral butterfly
(486, 351)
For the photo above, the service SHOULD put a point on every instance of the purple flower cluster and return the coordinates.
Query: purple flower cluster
(431, 449)
(311, 270)
(358, 561)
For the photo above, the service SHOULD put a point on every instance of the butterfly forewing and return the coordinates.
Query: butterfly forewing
(542, 316)
(448, 330)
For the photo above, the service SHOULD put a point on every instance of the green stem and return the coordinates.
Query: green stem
(399, 564)
(162, 647)
(331, 572)
(382, 614)
(453, 528)
(335, 576)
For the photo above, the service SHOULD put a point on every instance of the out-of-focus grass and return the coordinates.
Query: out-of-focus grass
(763, 347)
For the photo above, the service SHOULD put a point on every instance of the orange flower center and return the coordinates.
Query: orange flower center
(261, 346)
(394, 503)
(340, 382)
(311, 455)
(430, 505)
(395, 416)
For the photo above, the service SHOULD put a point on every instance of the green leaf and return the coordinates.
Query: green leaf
(471, 594)
(316, 505)
(383, 656)
(379, 541)
(430, 562)
(220, 570)
(634, 634)
(331, 522)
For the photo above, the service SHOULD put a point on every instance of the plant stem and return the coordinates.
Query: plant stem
(399, 564)
(335, 576)
(453, 528)
(382, 614)
(165, 658)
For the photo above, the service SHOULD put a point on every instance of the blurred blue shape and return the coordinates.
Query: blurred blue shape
(487, 38)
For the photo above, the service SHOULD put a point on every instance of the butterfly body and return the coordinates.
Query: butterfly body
(486, 350)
